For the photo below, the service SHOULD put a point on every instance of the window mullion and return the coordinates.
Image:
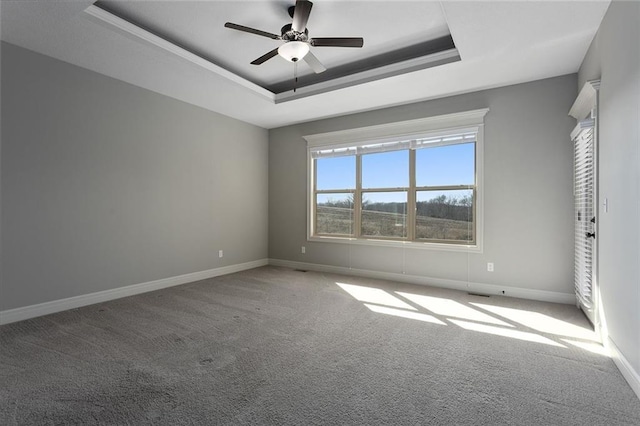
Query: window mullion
(357, 199)
(473, 213)
(334, 191)
(444, 187)
(411, 197)
(314, 202)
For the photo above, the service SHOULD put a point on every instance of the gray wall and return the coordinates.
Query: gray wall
(528, 192)
(106, 185)
(614, 57)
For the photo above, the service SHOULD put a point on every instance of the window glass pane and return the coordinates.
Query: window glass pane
(336, 173)
(446, 165)
(334, 214)
(384, 214)
(445, 215)
(386, 170)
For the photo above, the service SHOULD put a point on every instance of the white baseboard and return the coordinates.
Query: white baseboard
(523, 293)
(628, 372)
(32, 311)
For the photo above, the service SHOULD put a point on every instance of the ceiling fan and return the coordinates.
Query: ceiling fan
(296, 39)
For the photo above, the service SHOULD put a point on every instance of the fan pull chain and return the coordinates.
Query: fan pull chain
(295, 76)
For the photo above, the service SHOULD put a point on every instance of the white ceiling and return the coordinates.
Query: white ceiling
(500, 43)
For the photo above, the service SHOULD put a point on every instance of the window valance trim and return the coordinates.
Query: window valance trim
(410, 129)
(468, 135)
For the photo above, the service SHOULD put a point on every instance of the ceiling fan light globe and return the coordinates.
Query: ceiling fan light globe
(293, 51)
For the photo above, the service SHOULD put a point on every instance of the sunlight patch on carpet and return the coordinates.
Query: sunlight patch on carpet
(404, 314)
(374, 295)
(505, 332)
(478, 317)
(592, 347)
(451, 308)
(541, 322)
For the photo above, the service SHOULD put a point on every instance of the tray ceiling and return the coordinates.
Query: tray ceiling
(198, 27)
(498, 43)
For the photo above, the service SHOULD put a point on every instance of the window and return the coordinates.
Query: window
(335, 189)
(421, 188)
(383, 196)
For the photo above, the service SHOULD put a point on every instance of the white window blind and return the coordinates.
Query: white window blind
(394, 145)
(583, 140)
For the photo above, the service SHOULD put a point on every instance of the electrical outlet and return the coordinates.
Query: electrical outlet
(490, 266)
(303, 250)
(220, 253)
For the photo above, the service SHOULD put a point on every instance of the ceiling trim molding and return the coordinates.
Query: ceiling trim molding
(373, 74)
(115, 22)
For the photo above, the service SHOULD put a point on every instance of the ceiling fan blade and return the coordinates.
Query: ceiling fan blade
(264, 58)
(338, 41)
(301, 15)
(251, 30)
(314, 63)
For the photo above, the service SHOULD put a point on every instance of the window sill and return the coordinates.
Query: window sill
(461, 248)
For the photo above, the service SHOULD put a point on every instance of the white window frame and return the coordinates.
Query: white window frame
(405, 130)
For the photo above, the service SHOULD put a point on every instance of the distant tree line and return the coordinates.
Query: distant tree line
(443, 207)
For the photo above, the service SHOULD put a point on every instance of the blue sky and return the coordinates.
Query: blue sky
(444, 165)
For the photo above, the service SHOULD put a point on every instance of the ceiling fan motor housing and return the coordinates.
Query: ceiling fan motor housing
(288, 34)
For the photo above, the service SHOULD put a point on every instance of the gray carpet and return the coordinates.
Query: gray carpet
(277, 346)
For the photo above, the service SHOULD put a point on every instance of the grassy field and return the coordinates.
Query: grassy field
(336, 220)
